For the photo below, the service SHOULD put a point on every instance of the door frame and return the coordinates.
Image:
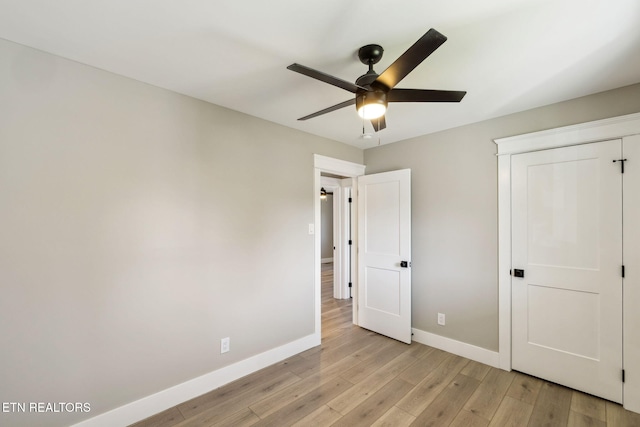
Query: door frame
(332, 186)
(584, 133)
(341, 290)
(349, 170)
(341, 219)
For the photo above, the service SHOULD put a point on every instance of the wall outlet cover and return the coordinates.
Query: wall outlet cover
(225, 345)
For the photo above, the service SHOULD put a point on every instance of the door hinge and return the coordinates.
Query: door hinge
(350, 284)
(623, 375)
(350, 200)
(621, 164)
(350, 242)
(510, 273)
(623, 271)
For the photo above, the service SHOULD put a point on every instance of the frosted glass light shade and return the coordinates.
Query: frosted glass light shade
(372, 111)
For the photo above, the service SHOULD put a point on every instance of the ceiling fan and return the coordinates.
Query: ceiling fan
(373, 91)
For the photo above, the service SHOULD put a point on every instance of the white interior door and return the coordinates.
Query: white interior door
(567, 239)
(384, 253)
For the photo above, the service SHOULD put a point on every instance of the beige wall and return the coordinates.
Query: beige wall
(455, 215)
(137, 228)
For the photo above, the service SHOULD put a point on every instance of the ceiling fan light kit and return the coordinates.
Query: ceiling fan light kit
(371, 105)
(374, 91)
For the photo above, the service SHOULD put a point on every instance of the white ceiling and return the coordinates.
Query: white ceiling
(509, 55)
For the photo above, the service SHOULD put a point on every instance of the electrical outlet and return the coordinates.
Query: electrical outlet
(441, 319)
(225, 345)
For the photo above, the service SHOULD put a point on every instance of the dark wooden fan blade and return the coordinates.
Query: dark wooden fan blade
(330, 109)
(323, 77)
(379, 123)
(425, 95)
(413, 56)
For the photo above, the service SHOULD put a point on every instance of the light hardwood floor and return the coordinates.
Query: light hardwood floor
(359, 378)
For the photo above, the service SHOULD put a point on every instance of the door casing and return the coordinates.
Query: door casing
(626, 127)
(333, 186)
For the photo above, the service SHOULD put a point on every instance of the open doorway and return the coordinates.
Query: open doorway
(336, 239)
(336, 251)
(342, 179)
(327, 239)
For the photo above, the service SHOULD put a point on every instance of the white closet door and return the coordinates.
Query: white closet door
(567, 240)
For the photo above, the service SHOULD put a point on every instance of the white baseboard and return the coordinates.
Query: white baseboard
(470, 351)
(158, 402)
(326, 260)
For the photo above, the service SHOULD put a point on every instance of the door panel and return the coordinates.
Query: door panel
(562, 214)
(383, 290)
(567, 237)
(382, 218)
(384, 236)
(550, 327)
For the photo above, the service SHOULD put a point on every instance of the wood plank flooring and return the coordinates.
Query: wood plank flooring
(359, 378)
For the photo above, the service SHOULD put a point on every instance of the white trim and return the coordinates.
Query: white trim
(346, 250)
(504, 261)
(460, 348)
(329, 182)
(158, 402)
(599, 130)
(317, 253)
(631, 281)
(338, 258)
(337, 166)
